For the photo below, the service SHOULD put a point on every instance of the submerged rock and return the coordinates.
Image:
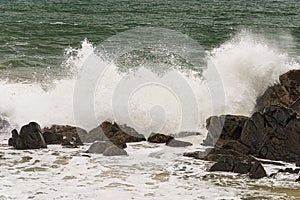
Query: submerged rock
(30, 137)
(114, 151)
(178, 143)
(186, 134)
(159, 138)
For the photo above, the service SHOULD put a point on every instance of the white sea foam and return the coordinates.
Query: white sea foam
(235, 74)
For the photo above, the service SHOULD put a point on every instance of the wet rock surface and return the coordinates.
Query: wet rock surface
(30, 137)
(286, 93)
(224, 127)
(159, 138)
(119, 135)
(65, 135)
(178, 143)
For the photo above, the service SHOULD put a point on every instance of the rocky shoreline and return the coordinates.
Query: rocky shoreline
(234, 143)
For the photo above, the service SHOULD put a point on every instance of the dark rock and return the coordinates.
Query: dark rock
(234, 145)
(53, 138)
(116, 134)
(298, 179)
(99, 147)
(186, 134)
(273, 134)
(254, 132)
(96, 134)
(178, 143)
(114, 151)
(289, 170)
(71, 136)
(257, 171)
(16, 141)
(30, 137)
(242, 167)
(225, 127)
(286, 93)
(159, 138)
(223, 166)
(119, 135)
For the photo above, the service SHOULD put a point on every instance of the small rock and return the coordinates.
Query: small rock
(257, 171)
(159, 138)
(223, 166)
(178, 143)
(186, 134)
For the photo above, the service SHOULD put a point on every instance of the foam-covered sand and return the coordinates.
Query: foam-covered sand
(151, 171)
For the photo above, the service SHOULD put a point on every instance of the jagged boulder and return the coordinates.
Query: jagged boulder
(224, 127)
(273, 134)
(285, 93)
(119, 135)
(30, 137)
(65, 135)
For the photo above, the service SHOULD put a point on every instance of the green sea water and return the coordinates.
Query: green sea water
(35, 33)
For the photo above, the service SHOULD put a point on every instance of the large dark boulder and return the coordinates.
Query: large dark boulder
(159, 138)
(285, 93)
(224, 127)
(254, 132)
(71, 136)
(273, 134)
(30, 137)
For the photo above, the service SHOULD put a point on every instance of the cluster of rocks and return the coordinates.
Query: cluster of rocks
(238, 142)
(272, 132)
(109, 139)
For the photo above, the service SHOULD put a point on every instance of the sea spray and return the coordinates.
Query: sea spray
(243, 65)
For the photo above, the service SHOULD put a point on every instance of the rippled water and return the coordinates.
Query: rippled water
(35, 33)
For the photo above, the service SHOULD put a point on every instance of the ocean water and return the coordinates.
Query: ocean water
(158, 66)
